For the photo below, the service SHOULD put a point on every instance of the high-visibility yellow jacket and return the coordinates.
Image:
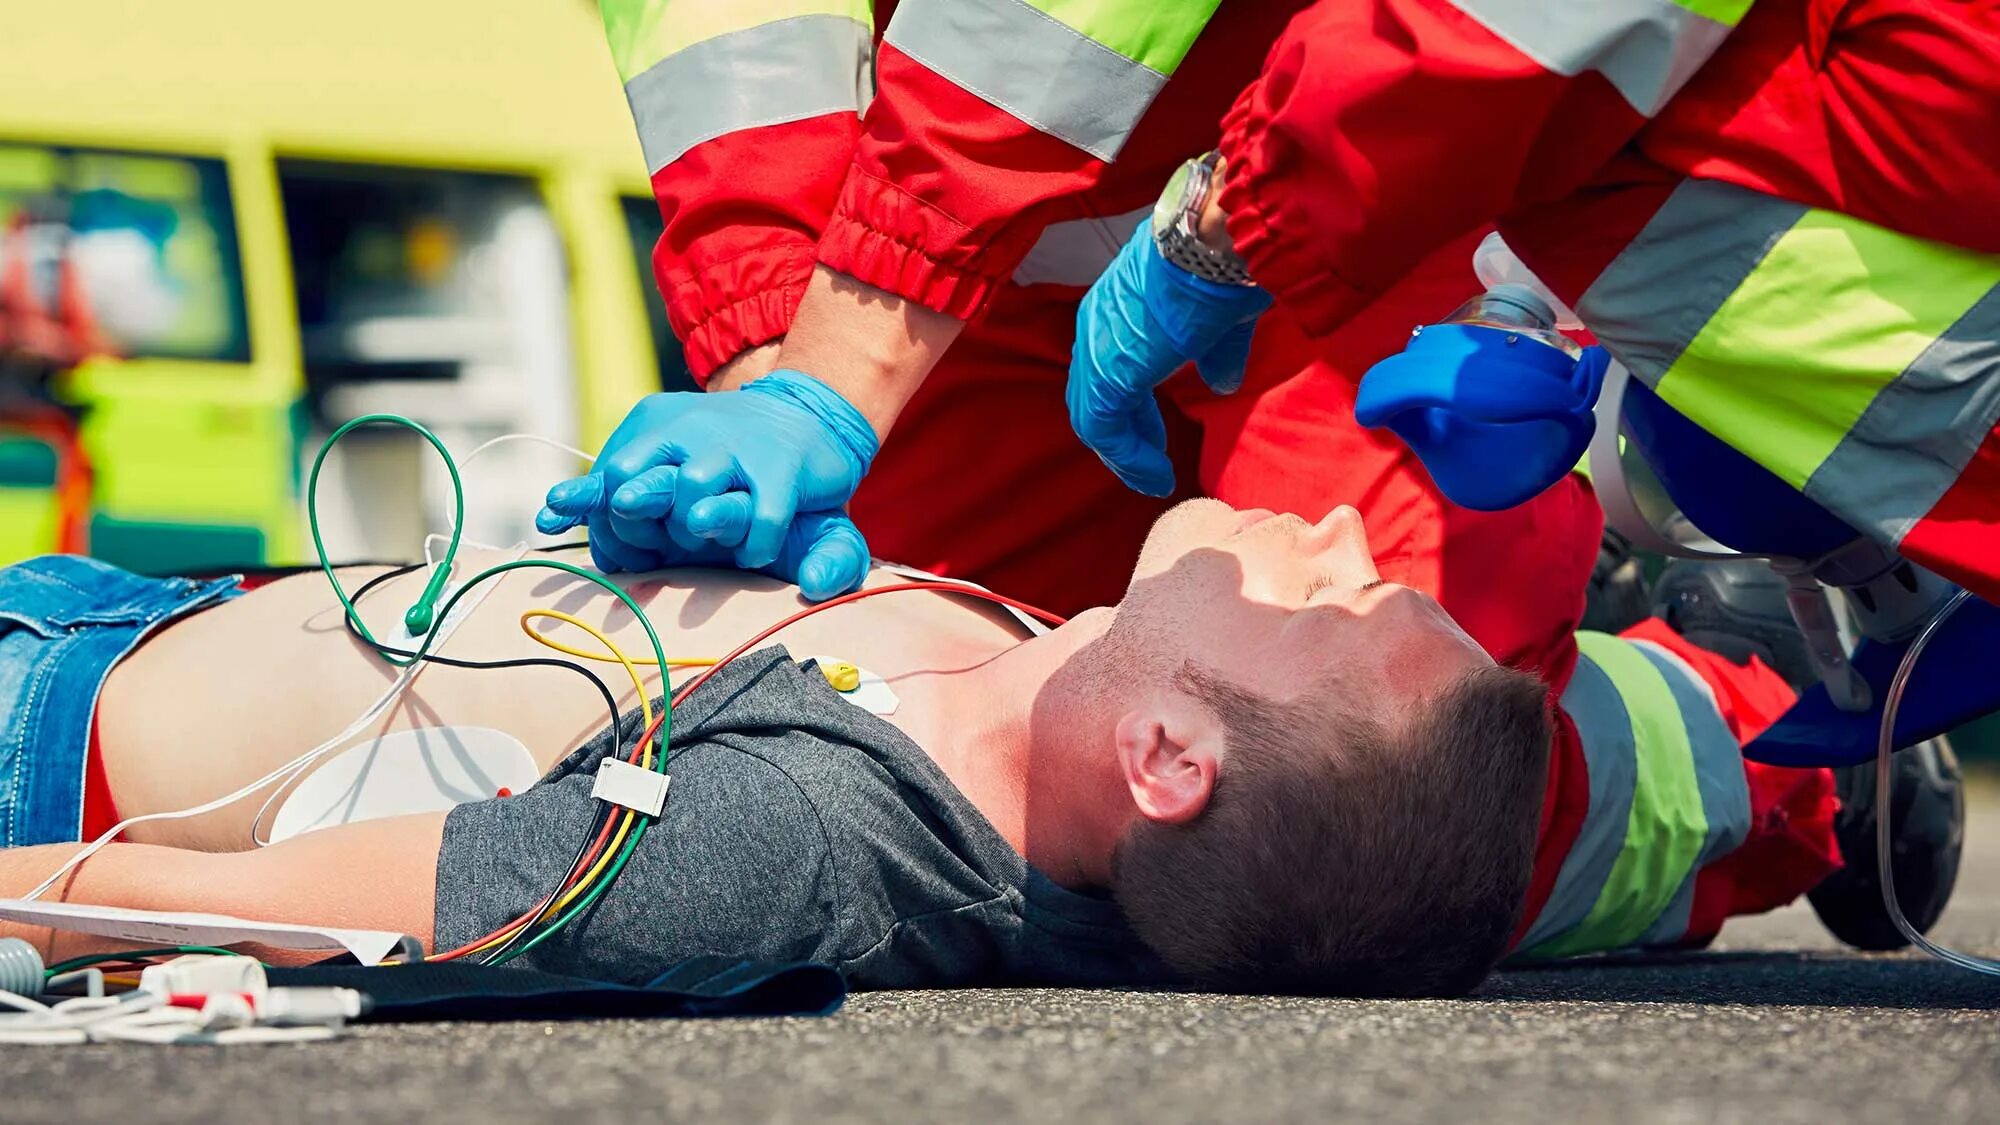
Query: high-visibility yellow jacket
(1781, 215)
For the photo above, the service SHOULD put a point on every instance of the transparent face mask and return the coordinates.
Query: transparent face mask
(1516, 309)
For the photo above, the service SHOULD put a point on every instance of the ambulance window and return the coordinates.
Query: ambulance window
(147, 241)
(643, 226)
(443, 295)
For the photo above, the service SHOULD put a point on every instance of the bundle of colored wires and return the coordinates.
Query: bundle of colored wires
(512, 940)
(368, 587)
(616, 832)
(421, 617)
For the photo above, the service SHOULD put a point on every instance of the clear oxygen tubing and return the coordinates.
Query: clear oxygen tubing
(1884, 750)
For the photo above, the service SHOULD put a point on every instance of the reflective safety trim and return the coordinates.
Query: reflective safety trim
(1592, 701)
(766, 75)
(1665, 286)
(1718, 770)
(1647, 49)
(1831, 316)
(1043, 72)
(1859, 365)
(1078, 251)
(1154, 33)
(1916, 436)
(642, 32)
(1730, 12)
(1671, 928)
(1666, 825)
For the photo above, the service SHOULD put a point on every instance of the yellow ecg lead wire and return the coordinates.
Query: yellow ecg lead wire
(612, 656)
(646, 751)
(843, 676)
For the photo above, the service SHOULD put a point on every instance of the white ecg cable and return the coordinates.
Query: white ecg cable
(288, 772)
(430, 562)
(282, 773)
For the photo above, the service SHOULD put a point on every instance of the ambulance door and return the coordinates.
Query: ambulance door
(443, 296)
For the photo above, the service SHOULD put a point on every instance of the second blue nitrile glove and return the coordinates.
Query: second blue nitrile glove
(1139, 323)
(686, 474)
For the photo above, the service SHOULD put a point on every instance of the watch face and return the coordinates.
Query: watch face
(1168, 210)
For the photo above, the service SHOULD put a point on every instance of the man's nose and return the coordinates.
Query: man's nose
(1342, 539)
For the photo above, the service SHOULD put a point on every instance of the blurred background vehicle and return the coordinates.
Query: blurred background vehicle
(226, 227)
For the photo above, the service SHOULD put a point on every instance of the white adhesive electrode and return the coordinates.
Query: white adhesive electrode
(431, 769)
(871, 693)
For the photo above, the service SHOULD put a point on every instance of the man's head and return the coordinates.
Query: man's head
(1332, 789)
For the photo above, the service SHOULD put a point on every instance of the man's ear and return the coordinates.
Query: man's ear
(1168, 760)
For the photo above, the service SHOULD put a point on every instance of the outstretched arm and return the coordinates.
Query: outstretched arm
(964, 156)
(377, 875)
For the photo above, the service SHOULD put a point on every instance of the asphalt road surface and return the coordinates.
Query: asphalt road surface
(1776, 1025)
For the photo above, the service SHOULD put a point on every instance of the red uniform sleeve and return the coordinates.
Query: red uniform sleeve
(748, 116)
(1380, 129)
(990, 117)
(742, 232)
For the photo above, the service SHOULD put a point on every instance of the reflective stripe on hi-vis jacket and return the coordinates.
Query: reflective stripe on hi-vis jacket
(1647, 49)
(695, 70)
(1083, 71)
(1076, 251)
(1860, 366)
(1667, 796)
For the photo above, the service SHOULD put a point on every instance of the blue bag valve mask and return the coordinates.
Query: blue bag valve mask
(1493, 399)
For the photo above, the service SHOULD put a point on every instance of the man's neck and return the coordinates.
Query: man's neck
(1036, 781)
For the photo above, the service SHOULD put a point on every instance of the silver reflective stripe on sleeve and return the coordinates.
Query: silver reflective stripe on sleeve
(787, 70)
(1611, 759)
(1667, 284)
(1921, 431)
(1041, 71)
(1076, 252)
(1647, 49)
(1718, 771)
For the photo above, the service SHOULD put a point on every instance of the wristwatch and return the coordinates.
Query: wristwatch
(1176, 219)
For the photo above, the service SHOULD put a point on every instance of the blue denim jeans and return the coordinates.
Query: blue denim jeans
(64, 621)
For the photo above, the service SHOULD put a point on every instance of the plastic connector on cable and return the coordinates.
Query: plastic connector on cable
(621, 783)
(205, 975)
(841, 676)
(21, 967)
(312, 1007)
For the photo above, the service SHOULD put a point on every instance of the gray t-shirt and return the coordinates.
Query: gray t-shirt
(797, 827)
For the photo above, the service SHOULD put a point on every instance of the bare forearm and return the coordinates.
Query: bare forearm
(379, 875)
(872, 346)
(746, 367)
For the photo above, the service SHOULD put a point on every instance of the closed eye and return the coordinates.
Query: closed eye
(1318, 583)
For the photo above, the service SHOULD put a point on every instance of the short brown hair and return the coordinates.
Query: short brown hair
(1337, 858)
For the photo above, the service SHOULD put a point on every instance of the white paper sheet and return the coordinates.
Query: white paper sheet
(159, 928)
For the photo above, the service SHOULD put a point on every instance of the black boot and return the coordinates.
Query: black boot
(1735, 608)
(1738, 609)
(1616, 598)
(1927, 805)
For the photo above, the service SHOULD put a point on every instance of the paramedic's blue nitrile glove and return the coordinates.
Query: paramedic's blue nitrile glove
(1142, 320)
(823, 552)
(725, 477)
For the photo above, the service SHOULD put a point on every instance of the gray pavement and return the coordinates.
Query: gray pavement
(1777, 1025)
